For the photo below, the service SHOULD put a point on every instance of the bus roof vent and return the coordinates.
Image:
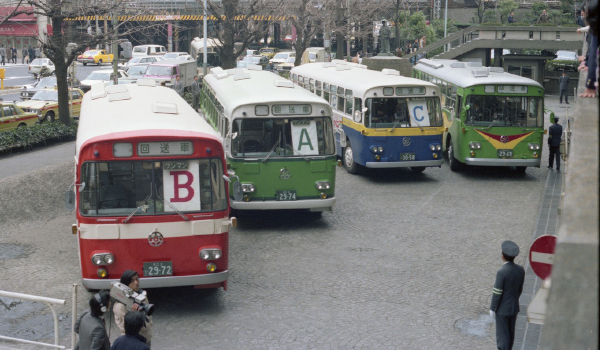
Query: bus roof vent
(254, 67)
(329, 64)
(146, 82)
(342, 67)
(235, 71)
(480, 72)
(284, 83)
(241, 76)
(164, 107)
(430, 63)
(119, 96)
(475, 64)
(219, 73)
(496, 70)
(458, 65)
(363, 66)
(388, 71)
(98, 90)
(113, 89)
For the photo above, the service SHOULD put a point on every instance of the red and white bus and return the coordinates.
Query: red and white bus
(151, 192)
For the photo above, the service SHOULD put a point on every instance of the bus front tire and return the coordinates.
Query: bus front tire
(417, 169)
(348, 160)
(452, 161)
(521, 169)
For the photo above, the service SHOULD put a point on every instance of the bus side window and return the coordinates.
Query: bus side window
(326, 95)
(458, 106)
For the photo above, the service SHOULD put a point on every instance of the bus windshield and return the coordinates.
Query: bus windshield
(520, 111)
(120, 187)
(403, 112)
(283, 137)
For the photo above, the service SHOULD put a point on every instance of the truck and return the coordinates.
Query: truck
(167, 70)
(314, 54)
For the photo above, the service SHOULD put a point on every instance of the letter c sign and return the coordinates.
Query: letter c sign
(415, 113)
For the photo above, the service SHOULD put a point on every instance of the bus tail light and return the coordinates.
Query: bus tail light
(323, 185)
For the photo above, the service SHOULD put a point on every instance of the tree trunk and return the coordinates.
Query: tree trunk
(60, 70)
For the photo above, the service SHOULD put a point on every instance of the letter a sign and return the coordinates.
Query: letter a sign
(181, 188)
(304, 138)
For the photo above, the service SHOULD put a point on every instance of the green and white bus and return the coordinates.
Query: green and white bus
(278, 138)
(491, 118)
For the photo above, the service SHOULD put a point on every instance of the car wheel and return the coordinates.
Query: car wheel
(85, 64)
(349, 162)
(452, 161)
(99, 62)
(49, 117)
(21, 126)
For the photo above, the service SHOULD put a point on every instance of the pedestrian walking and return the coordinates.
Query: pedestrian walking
(554, 138)
(3, 55)
(131, 279)
(37, 52)
(14, 54)
(505, 296)
(31, 54)
(131, 340)
(91, 327)
(511, 18)
(563, 83)
(25, 55)
(196, 89)
(423, 42)
(543, 17)
(178, 86)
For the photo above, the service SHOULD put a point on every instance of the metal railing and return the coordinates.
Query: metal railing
(47, 301)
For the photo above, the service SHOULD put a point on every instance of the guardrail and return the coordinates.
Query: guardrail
(47, 301)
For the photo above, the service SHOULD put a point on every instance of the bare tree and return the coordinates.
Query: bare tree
(239, 21)
(482, 6)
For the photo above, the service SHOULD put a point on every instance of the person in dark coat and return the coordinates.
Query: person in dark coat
(25, 53)
(554, 137)
(196, 89)
(31, 54)
(505, 296)
(511, 18)
(90, 325)
(132, 340)
(563, 83)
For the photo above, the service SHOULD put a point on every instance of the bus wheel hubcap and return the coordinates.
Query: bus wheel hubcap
(348, 156)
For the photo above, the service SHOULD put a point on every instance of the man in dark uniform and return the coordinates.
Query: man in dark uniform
(563, 83)
(505, 296)
(554, 137)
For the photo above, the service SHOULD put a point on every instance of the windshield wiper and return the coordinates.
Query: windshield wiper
(138, 208)
(301, 155)
(419, 125)
(271, 152)
(394, 127)
(172, 207)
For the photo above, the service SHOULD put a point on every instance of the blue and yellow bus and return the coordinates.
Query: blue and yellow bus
(381, 119)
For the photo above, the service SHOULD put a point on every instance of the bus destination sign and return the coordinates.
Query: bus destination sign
(176, 148)
(512, 89)
(411, 90)
(292, 109)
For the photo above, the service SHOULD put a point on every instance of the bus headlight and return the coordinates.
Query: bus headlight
(103, 258)
(109, 259)
(248, 188)
(474, 145)
(377, 149)
(435, 147)
(534, 146)
(97, 259)
(210, 254)
(323, 185)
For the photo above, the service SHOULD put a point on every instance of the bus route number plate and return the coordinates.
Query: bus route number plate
(158, 268)
(407, 157)
(285, 195)
(505, 153)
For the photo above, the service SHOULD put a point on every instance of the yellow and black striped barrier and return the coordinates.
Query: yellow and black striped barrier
(158, 18)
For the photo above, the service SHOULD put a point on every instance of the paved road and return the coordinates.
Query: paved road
(406, 261)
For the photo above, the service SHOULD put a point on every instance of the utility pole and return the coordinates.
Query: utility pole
(115, 45)
(205, 53)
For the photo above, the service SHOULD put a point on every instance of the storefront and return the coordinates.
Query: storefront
(19, 31)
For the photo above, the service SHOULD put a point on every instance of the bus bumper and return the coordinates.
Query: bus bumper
(418, 163)
(165, 281)
(311, 204)
(503, 162)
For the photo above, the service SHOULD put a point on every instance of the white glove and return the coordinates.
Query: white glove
(492, 313)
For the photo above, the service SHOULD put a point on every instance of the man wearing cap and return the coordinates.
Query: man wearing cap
(505, 296)
(554, 137)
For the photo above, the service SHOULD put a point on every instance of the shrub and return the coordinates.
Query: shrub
(40, 133)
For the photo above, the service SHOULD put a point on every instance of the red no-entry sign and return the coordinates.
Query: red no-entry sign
(541, 255)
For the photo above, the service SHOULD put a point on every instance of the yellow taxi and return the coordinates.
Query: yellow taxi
(95, 56)
(268, 52)
(12, 117)
(44, 104)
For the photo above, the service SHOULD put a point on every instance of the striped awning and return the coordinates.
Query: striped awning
(155, 18)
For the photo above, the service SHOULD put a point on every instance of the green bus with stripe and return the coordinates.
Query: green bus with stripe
(277, 137)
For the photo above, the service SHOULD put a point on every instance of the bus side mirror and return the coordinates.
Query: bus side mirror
(467, 107)
(69, 200)
(357, 117)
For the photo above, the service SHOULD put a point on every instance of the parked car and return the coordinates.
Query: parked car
(174, 55)
(12, 117)
(123, 81)
(184, 58)
(286, 66)
(137, 71)
(103, 75)
(259, 60)
(45, 104)
(40, 63)
(268, 52)
(144, 59)
(562, 55)
(148, 50)
(282, 57)
(167, 71)
(29, 90)
(95, 56)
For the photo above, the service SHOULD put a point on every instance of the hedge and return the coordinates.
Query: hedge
(37, 134)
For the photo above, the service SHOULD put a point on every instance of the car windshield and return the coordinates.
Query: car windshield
(282, 137)
(137, 70)
(312, 55)
(45, 95)
(170, 55)
(401, 112)
(46, 82)
(38, 61)
(290, 60)
(266, 50)
(281, 55)
(119, 188)
(139, 49)
(160, 70)
(99, 76)
(255, 60)
(90, 53)
(491, 111)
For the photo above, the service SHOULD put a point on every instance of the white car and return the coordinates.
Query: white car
(174, 55)
(281, 57)
(562, 55)
(184, 58)
(36, 66)
(103, 75)
(143, 59)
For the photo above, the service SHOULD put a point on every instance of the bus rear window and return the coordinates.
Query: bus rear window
(124, 188)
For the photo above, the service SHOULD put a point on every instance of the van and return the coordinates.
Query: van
(148, 50)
